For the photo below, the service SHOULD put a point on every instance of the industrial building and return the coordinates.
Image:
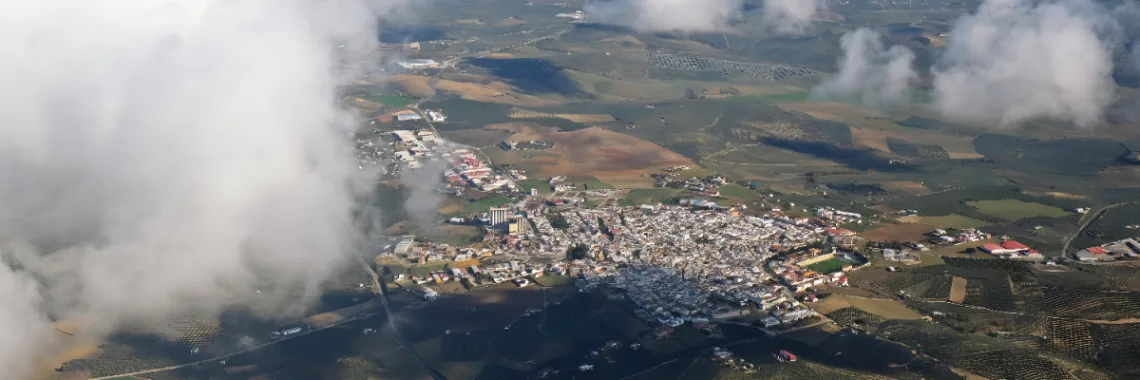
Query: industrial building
(419, 64)
(409, 117)
(499, 215)
(404, 245)
(518, 226)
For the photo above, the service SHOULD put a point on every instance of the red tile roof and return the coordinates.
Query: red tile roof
(1097, 251)
(990, 247)
(838, 231)
(1013, 244)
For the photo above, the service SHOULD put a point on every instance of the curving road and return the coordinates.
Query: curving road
(378, 283)
(381, 295)
(215, 359)
(1095, 216)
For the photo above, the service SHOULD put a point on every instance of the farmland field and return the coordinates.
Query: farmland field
(1125, 277)
(542, 186)
(885, 308)
(652, 196)
(953, 221)
(483, 204)
(899, 232)
(1111, 226)
(588, 183)
(738, 192)
(1014, 209)
(957, 290)
(451, 234)
(611, 157)
(395, 101)
(777, 98)
(854, 315)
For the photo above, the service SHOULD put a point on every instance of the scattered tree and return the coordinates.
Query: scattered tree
(578, 252)
(558, 221)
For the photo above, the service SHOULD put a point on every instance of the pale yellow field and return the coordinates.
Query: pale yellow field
(870, 128)
(415, 85)
(1065, 195)
(957, 290)
(885, 308)
(654, 89)
(495, 92)
(519, 113)
(829, 304)
(628, 40)
(610, 156)
(867, 138)
(910, 187)
(889, 309)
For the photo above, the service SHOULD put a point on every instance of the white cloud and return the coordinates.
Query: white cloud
(1016, 60)
(869, 73)
(666, 15)
(164, 157)
(791, 17)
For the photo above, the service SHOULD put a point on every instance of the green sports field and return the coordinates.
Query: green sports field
(829, 266)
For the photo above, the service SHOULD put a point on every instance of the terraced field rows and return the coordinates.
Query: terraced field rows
(1012, 365)
(1092, 305)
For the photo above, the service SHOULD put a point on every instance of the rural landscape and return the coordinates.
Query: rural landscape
(561, 194)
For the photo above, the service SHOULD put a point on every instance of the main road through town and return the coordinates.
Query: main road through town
(379, 284)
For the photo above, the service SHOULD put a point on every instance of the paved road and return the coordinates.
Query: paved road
(1095, 216)
(236, 353)
(484, 53)
(382, 292)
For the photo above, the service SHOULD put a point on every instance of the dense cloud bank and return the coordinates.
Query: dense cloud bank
(666, 15)
(1015, 60)
(782, 17)
(171, 157)
(791, 17)
(1008, 62)
(869, 73)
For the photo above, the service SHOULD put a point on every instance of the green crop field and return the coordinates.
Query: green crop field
(542, 186)
(428, 268)
(1014, 209)
(652, 196)
(483, 204)
(588, 183)
(390, 100)
(450, 234)
(828, 266)
(953, 221)
(739, 192)
(793, 97)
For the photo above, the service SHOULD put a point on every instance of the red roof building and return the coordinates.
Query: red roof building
(1097, 251)
(833, 231)
(991, 247)
(1014, 245)
(787, 355)
(1006, 247)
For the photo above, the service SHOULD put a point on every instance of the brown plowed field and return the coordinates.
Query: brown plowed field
(612, 157)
